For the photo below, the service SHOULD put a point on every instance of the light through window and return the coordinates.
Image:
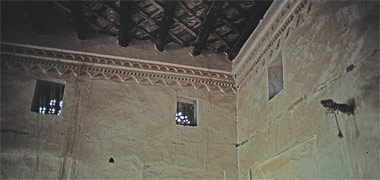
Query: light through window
(48, 97)
(186, 112)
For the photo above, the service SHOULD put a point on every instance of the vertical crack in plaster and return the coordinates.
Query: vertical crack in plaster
(72, 133)
(236, 133)
(40, 150)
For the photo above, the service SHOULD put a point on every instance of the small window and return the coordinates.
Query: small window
(275, 77)
(48, 97)
(186, 112)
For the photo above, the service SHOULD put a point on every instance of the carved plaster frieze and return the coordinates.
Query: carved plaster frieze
(65, 63)
(266, 38)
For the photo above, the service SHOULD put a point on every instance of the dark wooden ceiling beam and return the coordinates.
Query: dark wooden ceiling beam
(207, 26)
(259, 10)
(126, 23)
(169, 8)
(36, 14)
(239, 9)
(77, 15)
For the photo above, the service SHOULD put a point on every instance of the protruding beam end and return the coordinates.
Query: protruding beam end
(125, 21)
(165, 24)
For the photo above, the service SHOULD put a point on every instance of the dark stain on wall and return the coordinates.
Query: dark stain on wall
(295, 103)
(14, 131)
(177, 143)
(242, 143)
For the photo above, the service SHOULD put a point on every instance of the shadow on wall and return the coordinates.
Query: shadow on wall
(333, 107)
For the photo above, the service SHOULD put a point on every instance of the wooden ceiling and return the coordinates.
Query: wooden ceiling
(220, 26)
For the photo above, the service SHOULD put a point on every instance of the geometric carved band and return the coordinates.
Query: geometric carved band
(58, 62)
(269, 38)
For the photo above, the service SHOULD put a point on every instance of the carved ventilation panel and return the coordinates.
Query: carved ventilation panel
(186, 112)
(275, 77)
(48, 97)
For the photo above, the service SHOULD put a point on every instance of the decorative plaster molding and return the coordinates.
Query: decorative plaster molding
(270, 16)
(266, 38)
(58, 62)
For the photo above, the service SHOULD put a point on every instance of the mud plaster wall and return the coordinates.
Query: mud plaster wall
(330, 51)
(132, 123)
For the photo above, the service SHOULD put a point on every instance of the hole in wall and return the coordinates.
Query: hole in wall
(111, 160)
(350, 68)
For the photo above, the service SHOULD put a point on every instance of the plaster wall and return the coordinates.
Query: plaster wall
(330, 50)
(132, 123)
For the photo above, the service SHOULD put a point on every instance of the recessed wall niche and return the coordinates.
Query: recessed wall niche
(186, 112)
(275, 77)
(48, 97)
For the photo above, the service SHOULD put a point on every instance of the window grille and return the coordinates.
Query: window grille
(48, 97)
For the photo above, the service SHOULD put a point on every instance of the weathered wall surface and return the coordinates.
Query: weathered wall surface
(132, 123)
(330, 50)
